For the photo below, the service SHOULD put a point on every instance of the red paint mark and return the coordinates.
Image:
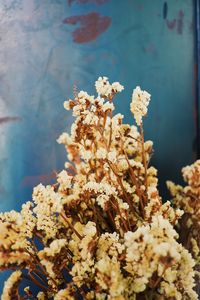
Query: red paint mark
(176, 23)
(180, 22)
(34, 180)
(92, 25)
(99, 2)
(9, 119)
(171, 24)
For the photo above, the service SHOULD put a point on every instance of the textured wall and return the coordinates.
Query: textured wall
(47, 46)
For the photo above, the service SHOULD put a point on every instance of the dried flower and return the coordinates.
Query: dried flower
(104, 88)
(139, 104)
(101, 231)
(10, 290)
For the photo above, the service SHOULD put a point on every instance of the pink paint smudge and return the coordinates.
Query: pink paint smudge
(171, 24)
(176, 23)
(8, 119)
(91, 26)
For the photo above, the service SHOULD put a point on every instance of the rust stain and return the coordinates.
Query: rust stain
(34, 180)
(99, 2)
(91, 26)
(9, 119)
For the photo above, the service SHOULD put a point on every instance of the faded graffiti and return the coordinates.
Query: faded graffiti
(176, 23)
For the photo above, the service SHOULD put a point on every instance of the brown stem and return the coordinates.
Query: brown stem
(71, 226)
(103, 220)
(159, 279)
(34, 280)
(110, 136)
(37, 261)
(144, 158)
(95, 216)
(104, 121)
(134, 180)
(129, 224)
(119, 212)
(121, 185)
(132, 137)
(111, 219)
(37, 272)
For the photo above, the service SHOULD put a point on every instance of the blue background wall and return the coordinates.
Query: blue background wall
(48, 46)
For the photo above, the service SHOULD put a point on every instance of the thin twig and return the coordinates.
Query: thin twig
(70, 225)
(144, 157)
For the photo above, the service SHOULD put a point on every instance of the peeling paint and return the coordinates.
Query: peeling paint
(91, 26)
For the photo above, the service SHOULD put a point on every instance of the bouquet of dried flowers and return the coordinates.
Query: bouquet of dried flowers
(102, 231)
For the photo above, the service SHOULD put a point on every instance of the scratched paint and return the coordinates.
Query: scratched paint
(91, 26)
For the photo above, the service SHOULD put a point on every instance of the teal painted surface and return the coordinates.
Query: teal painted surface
(44, 53)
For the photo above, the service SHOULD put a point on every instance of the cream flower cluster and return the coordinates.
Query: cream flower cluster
(157, 240)
(10, 290)
(104, 88)
(188, 199)
(101, 231)
(139, 104)
(13, 240)
(191, 174)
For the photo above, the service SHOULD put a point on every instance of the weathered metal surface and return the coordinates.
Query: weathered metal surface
(48, 46)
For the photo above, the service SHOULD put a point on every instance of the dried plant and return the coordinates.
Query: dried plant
(101, 231)
(188, 199)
